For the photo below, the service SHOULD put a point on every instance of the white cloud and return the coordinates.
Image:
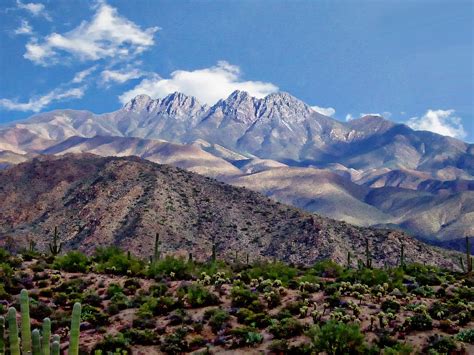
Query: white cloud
(385, 114)
(326, 111)
(349, 117)
(207, 85)
(24, 29)
(36, 9)
(439, 121)
(120, 76)
(106, 35)
(82, 75)
(38, 103)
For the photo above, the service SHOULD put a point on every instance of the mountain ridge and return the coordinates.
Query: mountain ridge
(126, 200)
(267, 135)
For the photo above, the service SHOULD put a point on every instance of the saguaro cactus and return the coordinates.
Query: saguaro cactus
(74, 333)
(156, 248)
(2, 335)
(46, 338)
(368, 257)
(56, 345)
(25, 321)
(36, 339)
(402, 255)
(348, 259)
(214, 248)
(56, 246)
(13, 332)
(468, 255)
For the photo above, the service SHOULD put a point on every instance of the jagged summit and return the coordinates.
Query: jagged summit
(138, 103)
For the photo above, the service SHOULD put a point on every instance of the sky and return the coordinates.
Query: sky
(408, 60)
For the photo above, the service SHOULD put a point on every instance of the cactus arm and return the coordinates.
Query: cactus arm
(2, 335)
(55, 348)
(74, 335)
(25, 321)
(13, 332)
(35, 336)
(46, 338)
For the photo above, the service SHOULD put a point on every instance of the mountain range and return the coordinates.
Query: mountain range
(368, 171)
(96, 201)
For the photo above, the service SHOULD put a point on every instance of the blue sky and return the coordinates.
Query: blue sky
(411, 61)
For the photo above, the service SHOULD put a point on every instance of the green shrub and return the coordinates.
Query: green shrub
(113, 260)
(113, 343)
(248, 317)
(286, 328)
(242, 296)
(389, 306)
(337, 338)
(141, 337)
(398, 349)
(419, 322)
(179, 268)
(466, 336)
(441, 345)
(73, 261)
(94, 315)
(198, 296)
(424, 291)
(218, 319)
(246, 336)
(113, 290)
(327, 268)
(175, 343)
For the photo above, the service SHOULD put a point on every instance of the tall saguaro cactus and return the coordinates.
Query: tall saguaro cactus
(56, 345)
(214, 248)
(25, 321)
(74, 333)
(156, 249)
(402, 255)
(368, 257)
(56, 245)
(46, 338)
(2, 335)
(468, 255)
(13, 332)
(36, 340)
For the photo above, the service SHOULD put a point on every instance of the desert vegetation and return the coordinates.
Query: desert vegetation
(166, 304)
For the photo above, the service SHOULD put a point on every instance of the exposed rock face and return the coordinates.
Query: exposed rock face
(124, 201)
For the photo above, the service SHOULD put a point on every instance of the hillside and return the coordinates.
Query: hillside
(125, 201)
(273, 145)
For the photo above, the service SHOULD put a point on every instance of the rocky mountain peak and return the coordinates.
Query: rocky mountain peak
(139, 103)
(283, 105)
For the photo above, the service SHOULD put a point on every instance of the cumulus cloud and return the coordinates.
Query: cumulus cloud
(106, 35)
(35, 9)
(82, 75)
(326, 111)
(38, 103)
(24, 29)
(439, 121)
(120, 76)
(207, 85)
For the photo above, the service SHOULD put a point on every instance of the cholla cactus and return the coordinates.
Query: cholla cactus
(303, 311)
(316, 315)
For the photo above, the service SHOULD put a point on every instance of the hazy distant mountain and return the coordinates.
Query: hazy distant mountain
(125, 201)
(368, 171)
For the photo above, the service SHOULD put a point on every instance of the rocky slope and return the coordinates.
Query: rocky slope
(124, 201)
(338, 169)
